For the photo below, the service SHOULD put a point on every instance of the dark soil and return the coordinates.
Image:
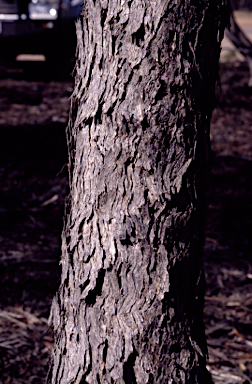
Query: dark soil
(33, 175)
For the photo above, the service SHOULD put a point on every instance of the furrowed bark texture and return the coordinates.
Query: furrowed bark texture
(129, 307)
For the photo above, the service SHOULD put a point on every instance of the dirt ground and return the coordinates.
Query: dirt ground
(33, 175)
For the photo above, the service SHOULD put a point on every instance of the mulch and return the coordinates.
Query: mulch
(33, 174)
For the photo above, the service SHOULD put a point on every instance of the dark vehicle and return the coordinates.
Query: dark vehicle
(38, 27)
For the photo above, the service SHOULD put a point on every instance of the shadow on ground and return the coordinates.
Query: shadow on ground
(33, 186)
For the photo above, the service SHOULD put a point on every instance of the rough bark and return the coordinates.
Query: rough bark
(129, 307)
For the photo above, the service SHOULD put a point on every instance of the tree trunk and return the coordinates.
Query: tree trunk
(129, 307)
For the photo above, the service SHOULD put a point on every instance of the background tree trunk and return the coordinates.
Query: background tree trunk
(129, 307)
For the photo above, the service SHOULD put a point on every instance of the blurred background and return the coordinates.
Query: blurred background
(37, 41)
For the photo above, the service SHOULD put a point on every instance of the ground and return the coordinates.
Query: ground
(33, 186)
(228, 263)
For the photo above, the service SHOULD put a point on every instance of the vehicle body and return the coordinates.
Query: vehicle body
(38, 26)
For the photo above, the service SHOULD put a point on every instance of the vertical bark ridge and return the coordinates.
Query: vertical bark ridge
(129, 306)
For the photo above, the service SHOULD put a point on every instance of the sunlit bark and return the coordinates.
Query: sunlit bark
(129, 308)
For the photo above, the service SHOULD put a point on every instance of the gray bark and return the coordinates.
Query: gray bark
(129, 307)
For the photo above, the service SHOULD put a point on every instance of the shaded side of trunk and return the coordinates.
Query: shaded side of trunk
(129, 308)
